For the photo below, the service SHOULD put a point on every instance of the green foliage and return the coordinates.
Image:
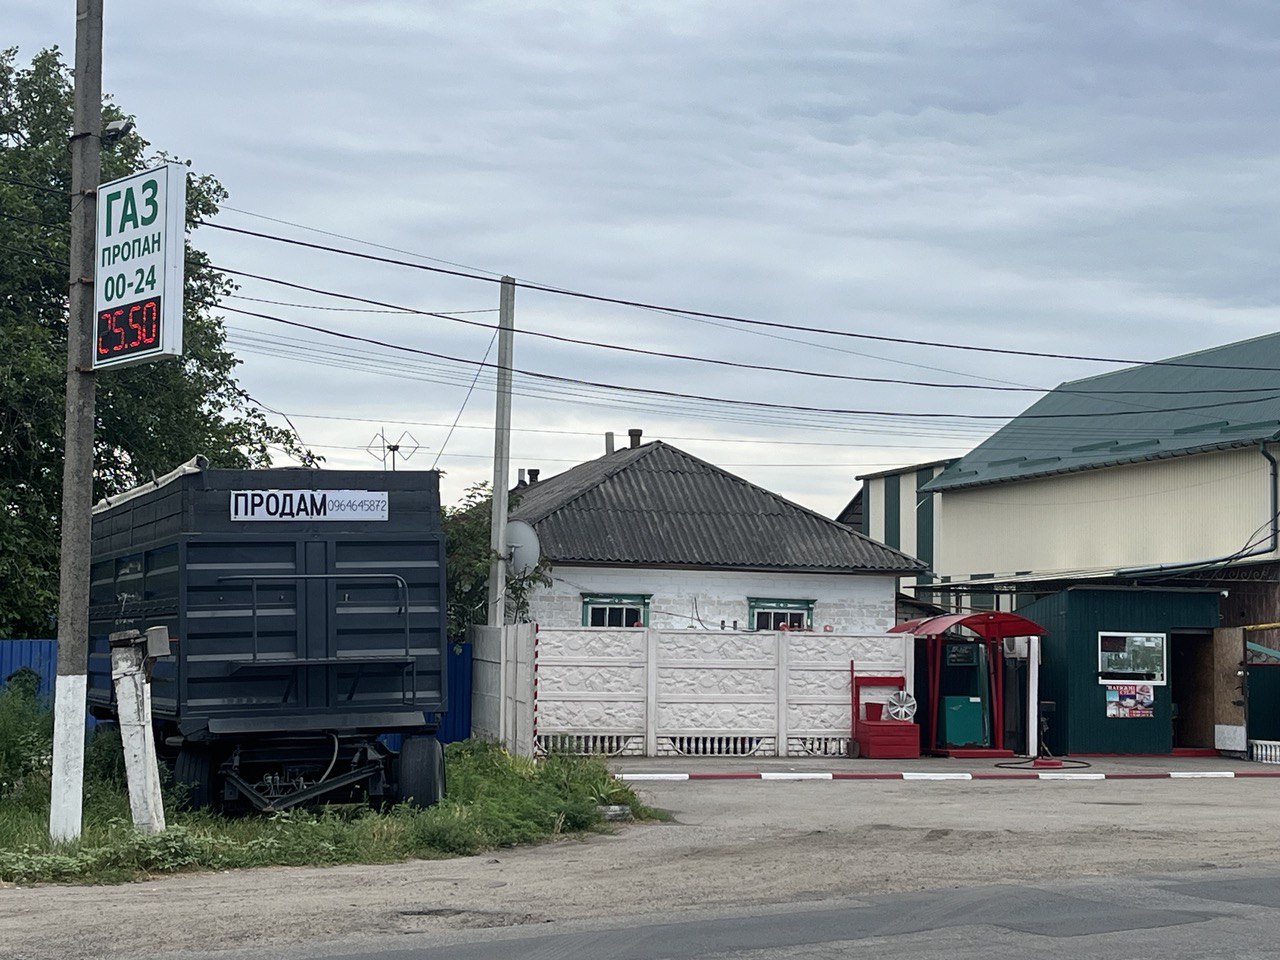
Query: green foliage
(149, 418)
(466, 528)
(494, 800)
(26, 743)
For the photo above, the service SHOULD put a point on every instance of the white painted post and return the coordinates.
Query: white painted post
(651, 692)
(783, 680)
(133, 703)
(1033, 697)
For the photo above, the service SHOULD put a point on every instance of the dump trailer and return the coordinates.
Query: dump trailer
(307, 622)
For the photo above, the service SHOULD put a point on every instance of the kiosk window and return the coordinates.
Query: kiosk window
(1132, 656)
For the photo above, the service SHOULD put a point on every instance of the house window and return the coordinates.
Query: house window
(615, 609)
(1127, 657)
(765, 613)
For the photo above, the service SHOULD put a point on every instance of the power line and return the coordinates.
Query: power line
(681, 311)
(760, 404)
(316, 306)
(476, 273)
(462, 409)
(596, 433)
(755, 404)
(1053, 437)
(713, 361)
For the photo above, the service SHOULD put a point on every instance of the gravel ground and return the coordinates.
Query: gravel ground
(733, 844)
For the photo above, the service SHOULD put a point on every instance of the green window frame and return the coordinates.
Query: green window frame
(604, 610)
(771, 613)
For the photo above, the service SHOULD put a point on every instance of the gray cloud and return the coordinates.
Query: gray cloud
(1095, 178)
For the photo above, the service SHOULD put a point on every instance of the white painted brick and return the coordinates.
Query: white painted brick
(850, 604)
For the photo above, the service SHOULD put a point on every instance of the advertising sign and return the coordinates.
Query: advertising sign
(1129, 700)
(138, 272)
(309, 505)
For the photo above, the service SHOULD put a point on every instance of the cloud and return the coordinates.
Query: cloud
(1095, 178)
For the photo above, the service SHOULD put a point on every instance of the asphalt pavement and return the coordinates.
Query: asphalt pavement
(1207, 914)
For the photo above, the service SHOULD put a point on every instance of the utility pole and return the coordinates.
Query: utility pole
(66, 802)
(501, 455)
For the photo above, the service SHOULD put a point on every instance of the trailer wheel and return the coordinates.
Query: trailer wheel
(193, 771)
(421, 771)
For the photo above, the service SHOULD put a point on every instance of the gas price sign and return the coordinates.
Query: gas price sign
(138, 275)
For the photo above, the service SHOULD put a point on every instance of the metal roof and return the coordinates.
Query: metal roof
(1148, 421)
(655, 505)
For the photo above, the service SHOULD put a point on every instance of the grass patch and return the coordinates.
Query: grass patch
(493, 800)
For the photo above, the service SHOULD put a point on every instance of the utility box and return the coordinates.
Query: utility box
(962, 722)
(306, 611)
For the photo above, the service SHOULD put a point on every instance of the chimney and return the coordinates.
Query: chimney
(521, 481)
(635, 436)
(533, 474)
(608, 443)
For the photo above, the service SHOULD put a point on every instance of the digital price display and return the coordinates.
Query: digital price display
(138, 267)
(129, 331)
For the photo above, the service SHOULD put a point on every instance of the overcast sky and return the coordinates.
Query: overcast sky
(1089, 178)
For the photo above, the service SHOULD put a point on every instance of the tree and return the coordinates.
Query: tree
(149, 418)
(467, 561)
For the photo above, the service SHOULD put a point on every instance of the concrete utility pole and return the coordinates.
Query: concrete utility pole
(501, 455)
(130, 654)
(67, 798)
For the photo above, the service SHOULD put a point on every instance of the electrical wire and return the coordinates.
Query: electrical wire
(448, 436)
(714, 361)
(472, 273)
(730, 318)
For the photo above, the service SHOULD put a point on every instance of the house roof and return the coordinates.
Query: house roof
(1214, 399)
(655, 505)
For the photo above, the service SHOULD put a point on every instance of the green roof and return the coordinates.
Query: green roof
(1214, 399)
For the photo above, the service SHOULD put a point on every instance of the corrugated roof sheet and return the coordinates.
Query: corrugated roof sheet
(1109, 429)
(657, 505)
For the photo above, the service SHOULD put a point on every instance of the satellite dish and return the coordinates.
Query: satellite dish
(523, 547)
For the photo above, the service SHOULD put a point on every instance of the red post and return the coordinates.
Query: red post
(935, 672)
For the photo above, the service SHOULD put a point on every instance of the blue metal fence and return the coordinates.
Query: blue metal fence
(39, 655)
(42, 657)
(456, 722)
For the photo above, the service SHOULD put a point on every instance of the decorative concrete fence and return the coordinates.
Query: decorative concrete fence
(650, 692)
(1264, 751)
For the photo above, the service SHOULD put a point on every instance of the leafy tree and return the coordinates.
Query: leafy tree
(149, 418)
(466, 527)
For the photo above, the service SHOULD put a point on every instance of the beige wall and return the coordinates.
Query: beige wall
(1162, 511)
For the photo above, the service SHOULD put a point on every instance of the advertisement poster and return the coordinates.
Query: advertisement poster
(1127, 700)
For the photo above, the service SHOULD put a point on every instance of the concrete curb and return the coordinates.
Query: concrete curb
(926, 775)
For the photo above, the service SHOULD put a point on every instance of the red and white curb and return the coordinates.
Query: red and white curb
(927, 775)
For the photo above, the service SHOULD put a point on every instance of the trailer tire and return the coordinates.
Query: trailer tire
(193, 772)
(421, 771)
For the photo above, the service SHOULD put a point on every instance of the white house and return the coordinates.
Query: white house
(690, 611)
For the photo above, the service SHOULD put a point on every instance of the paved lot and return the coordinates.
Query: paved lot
(734, 846)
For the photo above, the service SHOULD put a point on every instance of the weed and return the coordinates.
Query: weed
(494, 800)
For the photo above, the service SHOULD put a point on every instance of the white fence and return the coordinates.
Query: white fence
(1264, 751)
(502, 686)
(649, 692)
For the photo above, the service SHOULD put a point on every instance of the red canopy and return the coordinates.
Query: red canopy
(992, 625)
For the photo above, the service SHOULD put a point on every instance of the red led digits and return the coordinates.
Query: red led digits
(132, 328)
(150, 321)
(134, 310)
